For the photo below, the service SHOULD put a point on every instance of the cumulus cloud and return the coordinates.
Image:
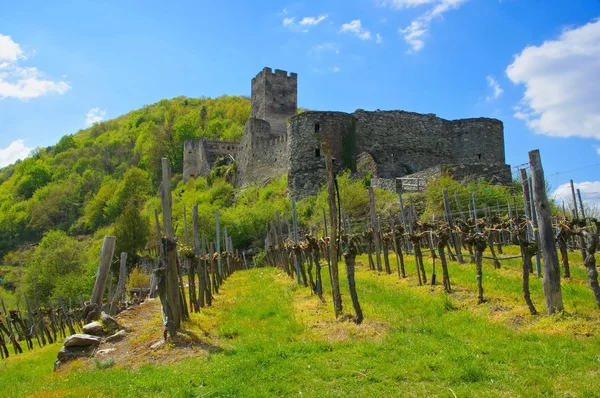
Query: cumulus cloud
(21, 82)
(562, 89)
(590, 193)
(15, 151)
(336, 69)
(95, 115)
(496, 89)
(355, 27)
(304, 23)
(378, 39)
(414, 34)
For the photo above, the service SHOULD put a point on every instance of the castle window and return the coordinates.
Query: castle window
(190, 152)
(317, 127)
(318, 152)
(479, 156)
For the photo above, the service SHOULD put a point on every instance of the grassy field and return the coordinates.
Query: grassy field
(265, 336)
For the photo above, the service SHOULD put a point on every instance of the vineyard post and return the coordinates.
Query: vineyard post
(399, 191)
(120, 290)
(172, 279)
(227, 250)
(106, 255)
(218, 243)
(551, 281)
(536, 233)
(458, 206)
(575, 212)
(526, 204)
(455, 239)
(295, 224)
(335, 283)
(580, 204)
(375, 227)
(200, 269)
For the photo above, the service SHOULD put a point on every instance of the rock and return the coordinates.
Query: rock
(116, 337)
(157, 345)
(94, 328)
(109, 321)
(82, 340)
(67, 353)
(105, 351)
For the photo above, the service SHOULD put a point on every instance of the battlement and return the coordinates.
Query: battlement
(280, 74)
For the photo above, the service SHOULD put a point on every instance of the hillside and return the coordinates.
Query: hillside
(99, 180)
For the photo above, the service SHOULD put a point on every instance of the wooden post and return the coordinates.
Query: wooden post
(580, 204)
(335, 282)
(551, 281)
(575, 212)
(455, 239)
(399, 191)
(106, 255)
(536, 234)
(172, 277)
(218, 245)
(227, 250)
(458, 206)
(295, 223)
(526, 201)
(120, 290)
(375, 226)
(200, 269)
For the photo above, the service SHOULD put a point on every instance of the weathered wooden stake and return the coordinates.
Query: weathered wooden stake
(106, 255)
(375, 227)
(551, 281)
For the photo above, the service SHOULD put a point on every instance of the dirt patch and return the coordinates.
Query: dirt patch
(144, 342)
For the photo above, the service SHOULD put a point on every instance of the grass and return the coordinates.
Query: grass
(273, 338)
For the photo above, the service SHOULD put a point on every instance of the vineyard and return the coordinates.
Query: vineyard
(503, 259)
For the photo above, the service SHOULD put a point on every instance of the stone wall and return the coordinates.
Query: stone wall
(307, 133)
(261, 155)
(275, 98)
(200, 155)
(402, 143)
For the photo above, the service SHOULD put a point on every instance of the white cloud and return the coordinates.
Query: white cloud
(590, 193)
(496, 89)
(313, 20)
(23, 82)
(415, 32)
(378, 38)
(598, 150)
(562, 89)
(9, 50)
(15, 151)
(355, 27)
(302, 26)
(94, 115)
(336, 69)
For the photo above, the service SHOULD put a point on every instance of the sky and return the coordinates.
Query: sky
(533, 64)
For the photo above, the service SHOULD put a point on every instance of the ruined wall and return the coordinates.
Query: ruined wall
(306, 133)
(261, 155)
(275, 98)
(404, 142)
(200, 155)
(194, 160)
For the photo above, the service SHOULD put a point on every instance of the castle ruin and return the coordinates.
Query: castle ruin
(387, 144)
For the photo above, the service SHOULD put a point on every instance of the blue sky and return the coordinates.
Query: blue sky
(535, 65)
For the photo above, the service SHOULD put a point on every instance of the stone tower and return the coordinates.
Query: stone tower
(275, 98)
